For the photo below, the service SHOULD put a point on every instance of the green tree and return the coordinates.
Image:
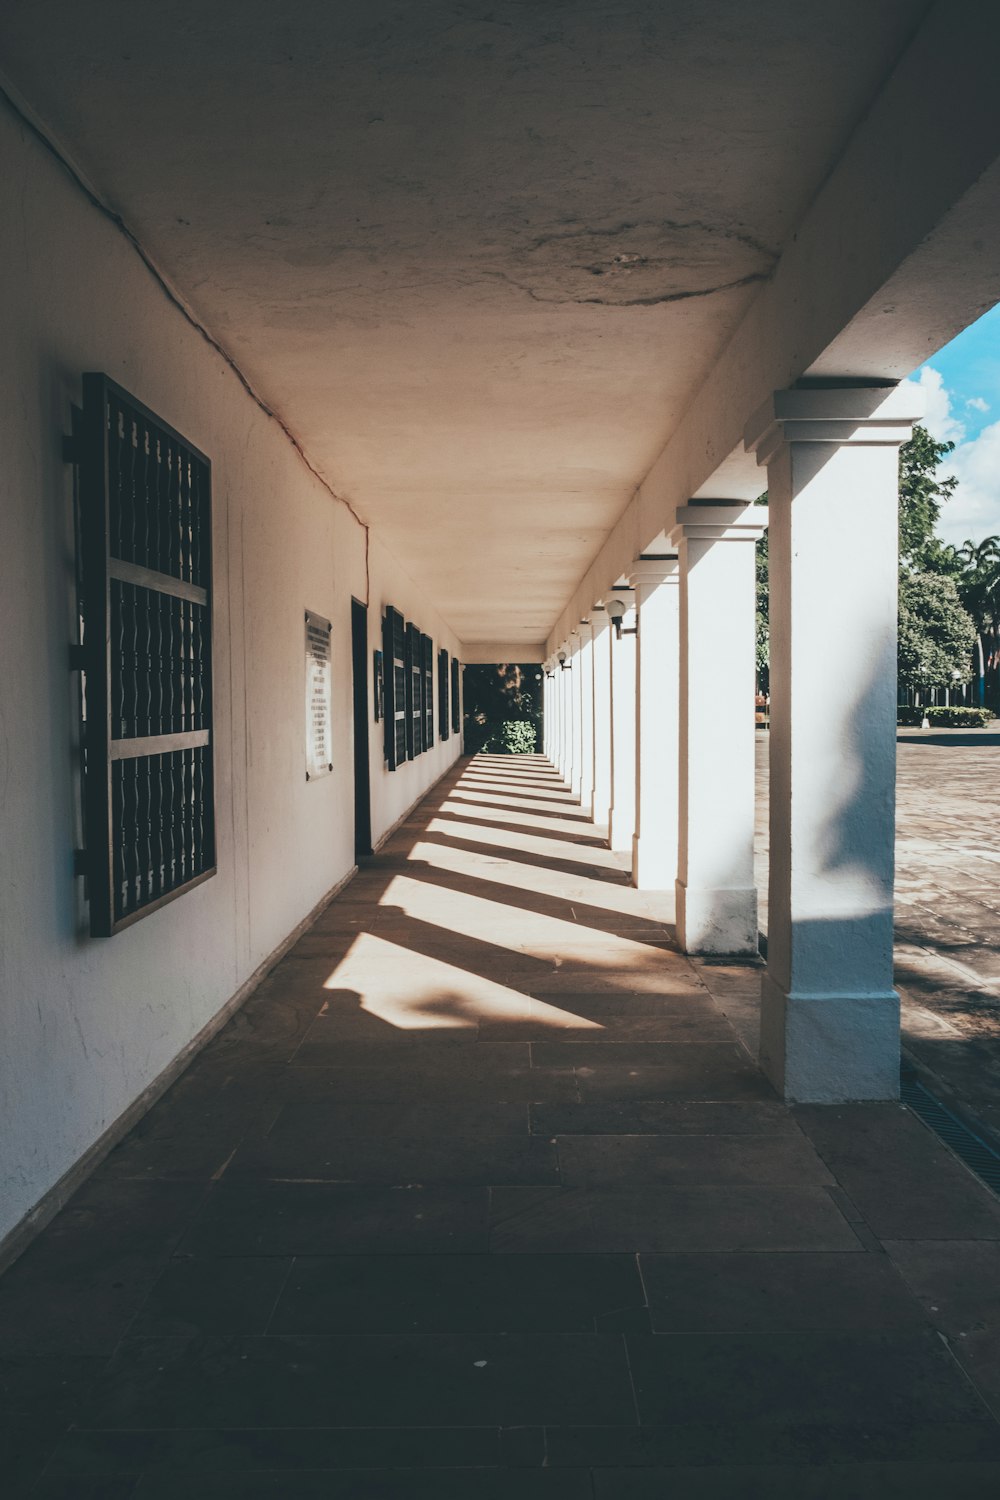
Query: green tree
(921, 496)
(936, 632)
(500, 694)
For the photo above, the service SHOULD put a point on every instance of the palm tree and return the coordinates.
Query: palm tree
(979, 587)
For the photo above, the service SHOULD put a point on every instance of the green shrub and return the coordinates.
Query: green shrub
(514, 737)
(944, 718)
(960, 718)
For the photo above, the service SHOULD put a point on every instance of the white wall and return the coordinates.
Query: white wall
(86, 1025)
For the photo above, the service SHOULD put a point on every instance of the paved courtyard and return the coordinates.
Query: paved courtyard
(481, 1197)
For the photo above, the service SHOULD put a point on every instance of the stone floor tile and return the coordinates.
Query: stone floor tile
(906, 1184)
(854, 1481)
(281, 1381)
(380, 1484)
(225, 1295)
(610, 1030)
(604, 1160)
(414, 1119)
(736, 1293)
(263, 1218)
(664, 1117)
(725, 1076)
(781, 1379)
(609, 1220)
(396, 1161)
(56, 1487)
(958, 1285)
(472, 1083)
(248, 1450)
(444, 1294)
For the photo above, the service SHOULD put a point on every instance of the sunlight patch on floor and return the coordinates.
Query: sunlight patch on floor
(414, 991)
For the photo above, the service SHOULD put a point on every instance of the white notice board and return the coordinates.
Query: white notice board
(319, 697)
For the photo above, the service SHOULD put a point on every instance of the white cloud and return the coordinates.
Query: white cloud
(974, 509)
(977, 403)
(938, 417)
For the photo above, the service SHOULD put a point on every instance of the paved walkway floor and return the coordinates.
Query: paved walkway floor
(481, 1197)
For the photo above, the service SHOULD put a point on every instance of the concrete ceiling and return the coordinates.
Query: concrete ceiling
(479, 257)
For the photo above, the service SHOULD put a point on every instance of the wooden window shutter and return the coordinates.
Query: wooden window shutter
(427, 654)
(443, 683)
(394, 673)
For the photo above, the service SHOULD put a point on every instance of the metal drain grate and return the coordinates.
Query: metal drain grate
(977, 1155)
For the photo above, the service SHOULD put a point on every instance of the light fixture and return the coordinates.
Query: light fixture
(563, 661)
(616, 613)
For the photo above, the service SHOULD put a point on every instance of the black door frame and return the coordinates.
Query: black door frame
(362, 766)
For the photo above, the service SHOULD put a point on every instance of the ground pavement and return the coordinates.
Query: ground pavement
(482, 1197)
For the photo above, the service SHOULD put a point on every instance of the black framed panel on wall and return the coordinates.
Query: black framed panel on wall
(395, 678)
(414, 681)
(443, 680)
(427, 694)
(456, 698)
(144, 531)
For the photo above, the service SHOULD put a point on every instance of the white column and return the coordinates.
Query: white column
(584, 668)
(654, 845)
(621, 819)
(562, 694)
(547, 705)
(565, 698)
(575, 669)
(603, 634)
(829, 1014)
(716, 894)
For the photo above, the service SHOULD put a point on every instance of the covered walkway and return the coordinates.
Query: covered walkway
(482, 1196)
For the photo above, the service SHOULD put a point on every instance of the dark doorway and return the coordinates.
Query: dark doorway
(362, 789)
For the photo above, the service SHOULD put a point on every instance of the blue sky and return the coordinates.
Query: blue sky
(961, 386)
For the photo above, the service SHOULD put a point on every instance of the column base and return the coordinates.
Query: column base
(650, 871)
(717, 921)
(829, 1049)
(621, 832)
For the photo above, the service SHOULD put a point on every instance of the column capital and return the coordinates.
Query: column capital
(653, 570)
(862, 415)
(719, 521)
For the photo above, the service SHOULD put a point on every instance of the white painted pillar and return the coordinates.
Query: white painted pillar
(603, 637)
(654, 845)
(621, 819)
(829, 1014)
(575, 669)
(584, 668)
(566, 689)
(716, 894)
(547, 706)
(562, 693)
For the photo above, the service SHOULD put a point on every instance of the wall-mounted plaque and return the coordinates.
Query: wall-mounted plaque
(319, 697)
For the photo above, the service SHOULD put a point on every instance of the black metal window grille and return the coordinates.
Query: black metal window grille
(145, 569)
(427, 697)
(443, 680)
(394, 653)
(456, 698)
(414, 707)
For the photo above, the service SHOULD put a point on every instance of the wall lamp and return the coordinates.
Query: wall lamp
(564, 661)
(616, 613)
